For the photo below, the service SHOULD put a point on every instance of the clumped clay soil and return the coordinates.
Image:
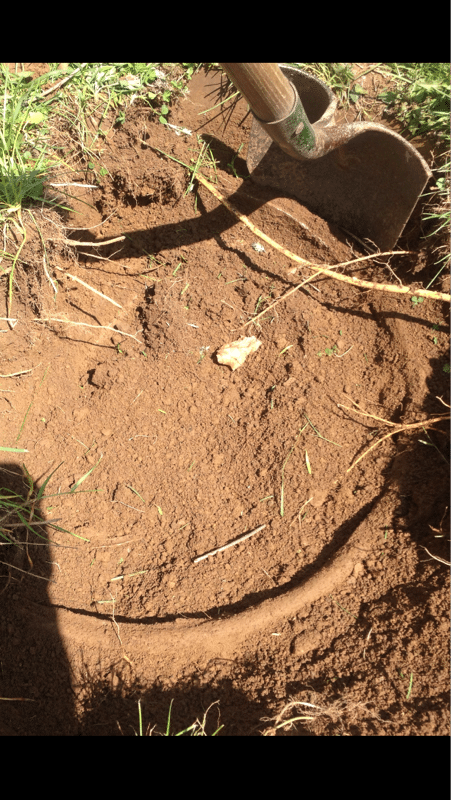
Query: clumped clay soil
(339, 599)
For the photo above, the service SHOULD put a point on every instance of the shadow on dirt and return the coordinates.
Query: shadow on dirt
(37, 697)
(421, 470)
(209, 696)
(38, 687)
(196, 229)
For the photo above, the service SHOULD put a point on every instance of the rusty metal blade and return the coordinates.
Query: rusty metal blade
(368, 182)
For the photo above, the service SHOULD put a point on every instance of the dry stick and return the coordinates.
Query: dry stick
(90, 244)
(425, 424)
(87, 286)
(366, 414)
(226, 546)
(279, 299)
(382, 287)
(85, 325)
(123, 275)
(270, 241)
(49, 580)
(437, 558)
(364, 72)
(22, 372)
(381, 419)
(61, 83)
(91, 227)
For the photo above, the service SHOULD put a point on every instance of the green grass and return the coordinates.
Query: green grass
(197, 728)
(19, 512)
(56, 124)
(23, 159)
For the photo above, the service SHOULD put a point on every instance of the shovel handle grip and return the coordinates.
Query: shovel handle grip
(277, 107)
(265, 87)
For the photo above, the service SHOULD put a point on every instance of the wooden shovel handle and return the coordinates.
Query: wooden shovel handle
(265, 87)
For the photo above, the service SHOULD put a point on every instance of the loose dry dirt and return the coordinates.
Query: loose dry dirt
(336, 602)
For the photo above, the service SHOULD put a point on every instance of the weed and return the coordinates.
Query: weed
(18, 512)
(86, 475)
(205, 158)
(137, 493)
(319, 717)
(328, 351)
(319, 434)
(198, 728)
(421, 97)
(13, 450)
(232, 163)
(23, 167)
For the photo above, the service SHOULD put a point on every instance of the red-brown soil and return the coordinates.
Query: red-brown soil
(335, 603)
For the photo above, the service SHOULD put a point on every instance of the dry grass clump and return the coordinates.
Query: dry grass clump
(335, 718)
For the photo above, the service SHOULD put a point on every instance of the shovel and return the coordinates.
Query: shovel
(360, 176)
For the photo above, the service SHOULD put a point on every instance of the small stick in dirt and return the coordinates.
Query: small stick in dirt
(436, 558)
(365, 413)
(49, 580)
(381, 287)
(122, 274)
(80, 185)
(22, 372)
(303, 506)
(87, 286)
(74, 243)
(226, 546)
(86, 325)
(279, 299)
(399, 429)
(440, 399)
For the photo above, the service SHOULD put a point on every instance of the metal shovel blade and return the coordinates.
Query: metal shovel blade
(368, 182)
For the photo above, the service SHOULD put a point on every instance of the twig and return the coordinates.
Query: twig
(226, 546)
(302, 507)
(87, 286)
(279, 299)
(442, 402)
(364, 72)
(399, 429)
(437, 558)
(49, 580)
(61, 83)
(366, 414)
(85, 325)
(122, 274)
(91, 227)
(81, 185)
(93, 244)
(22, 372)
